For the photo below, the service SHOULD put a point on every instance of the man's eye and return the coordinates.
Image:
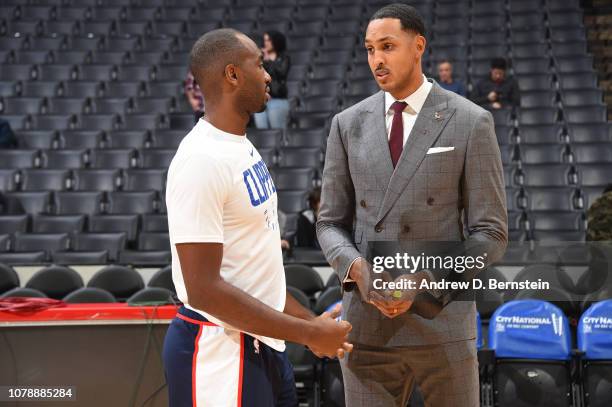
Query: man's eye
(370, 50)
(388, 46)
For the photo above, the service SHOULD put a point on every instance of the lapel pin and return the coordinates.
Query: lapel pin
(437, 116)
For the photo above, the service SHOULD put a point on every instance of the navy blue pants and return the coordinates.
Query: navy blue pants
(208, 365)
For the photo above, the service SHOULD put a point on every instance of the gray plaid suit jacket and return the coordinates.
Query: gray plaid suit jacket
(449, 196)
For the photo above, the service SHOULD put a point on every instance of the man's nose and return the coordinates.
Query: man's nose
(377, 60)
(268, 78)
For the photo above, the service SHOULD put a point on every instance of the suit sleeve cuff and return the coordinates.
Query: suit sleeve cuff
(347, 283)
(347, 278)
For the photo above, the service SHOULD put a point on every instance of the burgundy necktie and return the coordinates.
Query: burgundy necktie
(396, 140)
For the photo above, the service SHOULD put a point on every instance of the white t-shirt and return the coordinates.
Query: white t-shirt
(219, 190)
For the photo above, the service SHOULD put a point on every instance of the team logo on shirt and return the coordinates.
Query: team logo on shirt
(259, 183)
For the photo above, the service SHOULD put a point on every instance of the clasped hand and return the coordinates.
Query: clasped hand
(391, 303)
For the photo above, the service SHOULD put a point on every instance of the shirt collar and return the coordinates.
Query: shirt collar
(416, 100)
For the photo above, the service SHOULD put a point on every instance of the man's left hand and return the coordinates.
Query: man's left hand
(390, 307)
(397, 302)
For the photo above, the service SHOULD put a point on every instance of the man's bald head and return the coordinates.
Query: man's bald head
(211, 53)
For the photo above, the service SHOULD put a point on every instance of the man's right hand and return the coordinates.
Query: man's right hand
(329, 337)
(492, 96)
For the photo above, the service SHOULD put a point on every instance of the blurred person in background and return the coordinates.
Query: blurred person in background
(277, 64)
(306, 227)
(497, 91)
(599, 217)
(7, 137)
(446, 81)
(194, 96)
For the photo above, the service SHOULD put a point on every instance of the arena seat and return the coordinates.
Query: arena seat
(138, 202)
(163, 278)
(46, 242)
(293, 178)
(104, 223)
(594, 330)
(299, 296)
(96, 179)
(304, 278)
(78, 139)
(23, 292)
(145, 179)
(149, 295)
(63, 159)
(120, 281)
(8, 278)
(328, 298)
(89, 295)
(55, 281)
(531, 342)
(70, 203)
(10, 224)
(58, 223)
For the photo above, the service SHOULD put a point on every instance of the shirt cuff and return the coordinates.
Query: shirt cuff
(347, 279)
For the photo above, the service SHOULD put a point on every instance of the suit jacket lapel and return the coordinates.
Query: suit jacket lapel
(375, 131)
(429, 124)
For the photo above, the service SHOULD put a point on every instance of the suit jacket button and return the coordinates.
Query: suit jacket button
(406, 229)
(430, 201)
(378, 228)
(362, 203)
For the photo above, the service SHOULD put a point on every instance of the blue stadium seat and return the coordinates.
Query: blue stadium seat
(594, 333)
(531, 341)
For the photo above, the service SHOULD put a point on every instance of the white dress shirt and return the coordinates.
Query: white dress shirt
(409, 115)
(415, 101)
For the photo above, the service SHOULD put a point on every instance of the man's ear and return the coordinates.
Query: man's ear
(231, 73)
(421, 42)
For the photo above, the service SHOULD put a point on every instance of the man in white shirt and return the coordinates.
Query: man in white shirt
(226, 345)
(410, 164)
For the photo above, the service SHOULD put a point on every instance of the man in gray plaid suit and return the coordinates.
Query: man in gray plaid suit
(411, 163)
